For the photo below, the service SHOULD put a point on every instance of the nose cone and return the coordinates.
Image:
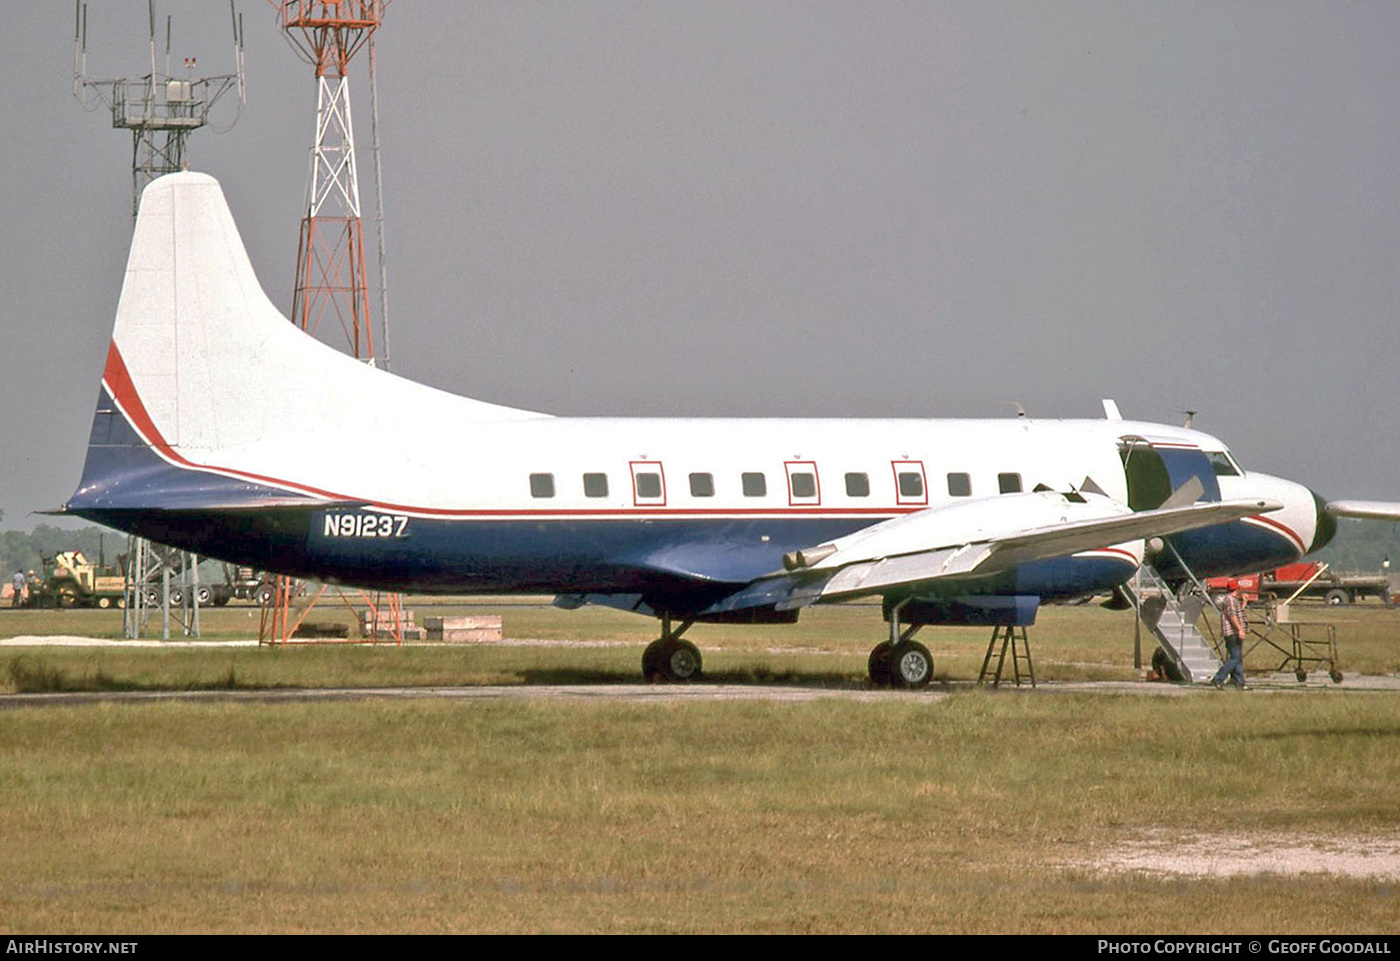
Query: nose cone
(1326, 524)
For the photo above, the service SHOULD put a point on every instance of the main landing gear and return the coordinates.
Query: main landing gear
(668, 658)
(901, 661)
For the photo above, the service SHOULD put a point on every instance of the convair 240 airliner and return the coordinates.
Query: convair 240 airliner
(223, 429)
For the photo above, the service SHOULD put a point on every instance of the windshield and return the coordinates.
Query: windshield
(1223, 464)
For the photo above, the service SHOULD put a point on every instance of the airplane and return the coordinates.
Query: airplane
(223, 429)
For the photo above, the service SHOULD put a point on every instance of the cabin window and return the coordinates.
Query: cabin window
(702, 485)
(959, 485)
(541, 485)
(755, 484)
(595, 485)
(857, 485)
(909, 486)
(802, 484)
(1009, 483)
(648, 484)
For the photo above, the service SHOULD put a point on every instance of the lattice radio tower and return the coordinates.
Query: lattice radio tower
(161, 110)
(331, 277)
(331, 284)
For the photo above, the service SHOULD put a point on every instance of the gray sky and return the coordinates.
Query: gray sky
(785, 208)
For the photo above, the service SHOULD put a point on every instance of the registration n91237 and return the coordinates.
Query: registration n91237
(365, 525)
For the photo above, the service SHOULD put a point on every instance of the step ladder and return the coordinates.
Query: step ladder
(1021, 664)
(1172, 621)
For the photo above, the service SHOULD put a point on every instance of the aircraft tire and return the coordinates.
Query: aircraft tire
(911, 665)
(651, 662)
(1166, 667)
(681, 661)
(879, 664)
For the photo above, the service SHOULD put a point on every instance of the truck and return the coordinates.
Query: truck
(1317, 582)
(70, 580)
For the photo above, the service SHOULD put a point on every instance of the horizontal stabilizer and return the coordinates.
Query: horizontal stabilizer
(273, 504)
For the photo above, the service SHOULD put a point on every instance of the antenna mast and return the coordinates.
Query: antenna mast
(159, 109)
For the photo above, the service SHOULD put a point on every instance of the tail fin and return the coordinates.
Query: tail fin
(211, 396)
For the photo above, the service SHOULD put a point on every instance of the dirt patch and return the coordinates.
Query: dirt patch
(1218, 856)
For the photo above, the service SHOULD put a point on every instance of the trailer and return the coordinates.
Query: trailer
(1311, 580)
(1319, 582)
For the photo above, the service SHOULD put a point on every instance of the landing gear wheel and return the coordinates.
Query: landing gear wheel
(681, 661)
(651, 662)
(669, 659)
(1336, 676)
(911, 665)
(880, 664)
(1165, 667)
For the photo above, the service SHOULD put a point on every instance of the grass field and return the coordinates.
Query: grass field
(976, 811)
(828, 645)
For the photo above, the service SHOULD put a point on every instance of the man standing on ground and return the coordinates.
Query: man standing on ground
(18, 583)
(1234, 627)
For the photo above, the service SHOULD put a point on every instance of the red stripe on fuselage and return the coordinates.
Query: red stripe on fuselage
(1287, 531)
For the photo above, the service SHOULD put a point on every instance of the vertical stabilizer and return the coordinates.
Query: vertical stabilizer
(207, 383)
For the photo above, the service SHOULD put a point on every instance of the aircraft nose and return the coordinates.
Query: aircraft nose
(1326, 528)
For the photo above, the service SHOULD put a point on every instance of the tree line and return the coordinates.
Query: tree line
(21, 550)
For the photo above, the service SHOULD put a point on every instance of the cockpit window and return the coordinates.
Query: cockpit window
(1223, 464)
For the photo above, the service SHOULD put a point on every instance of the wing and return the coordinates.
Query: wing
(960, 547)
(1370, 510)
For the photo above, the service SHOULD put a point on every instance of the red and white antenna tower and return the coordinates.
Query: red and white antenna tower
(331, 281)
(330, 277)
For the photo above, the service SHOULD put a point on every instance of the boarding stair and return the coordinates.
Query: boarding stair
(1172, 619)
